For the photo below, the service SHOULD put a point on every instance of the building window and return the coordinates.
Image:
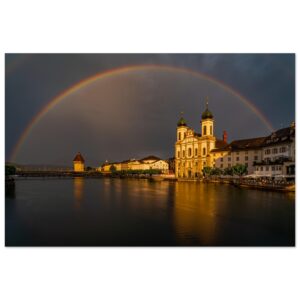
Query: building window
(257, 168)
(204, 151)
(221, 159)
(246, 158)
(220, 165)
(237, 153)
(255, 157)
(210, 130)
(190, 151)
(204, 130)
(229, 165)
(179, 136)
(279, 168)
(267, 168)
(282, 149)
(196, 151)
(261, 168)
(229, 158)
(275, 151)
(273, 168)
(237, 159)
(183, 153)
(178, 154)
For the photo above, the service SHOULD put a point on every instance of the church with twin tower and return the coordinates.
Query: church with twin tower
(192, 150)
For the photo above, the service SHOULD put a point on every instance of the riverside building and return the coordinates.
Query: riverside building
(269, 156)
(278, 153)
(193, 150)
(263, 156)
(146, 163)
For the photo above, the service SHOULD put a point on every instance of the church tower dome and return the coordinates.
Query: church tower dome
(207, 122)
(181, 122)
(207, 114)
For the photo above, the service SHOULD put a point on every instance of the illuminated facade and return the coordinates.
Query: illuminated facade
(193, 150)
(146, 163)
(78, 163)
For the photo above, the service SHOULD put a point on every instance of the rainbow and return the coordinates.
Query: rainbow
(113, 72)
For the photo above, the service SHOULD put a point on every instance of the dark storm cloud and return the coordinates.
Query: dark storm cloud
(33, 80)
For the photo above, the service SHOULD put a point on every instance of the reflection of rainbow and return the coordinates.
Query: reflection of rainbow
(117, 71)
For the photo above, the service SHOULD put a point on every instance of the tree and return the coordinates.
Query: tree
(240, 169)
(216, 171)
(10, 170)
(228, 171)
(207, 171)
(112, 169)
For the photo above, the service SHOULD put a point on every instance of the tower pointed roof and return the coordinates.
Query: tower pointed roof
(78, 157)
(207, 114)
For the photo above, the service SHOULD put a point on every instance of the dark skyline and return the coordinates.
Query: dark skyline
(134, 114)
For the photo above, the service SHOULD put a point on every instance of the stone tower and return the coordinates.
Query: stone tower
(78, 163)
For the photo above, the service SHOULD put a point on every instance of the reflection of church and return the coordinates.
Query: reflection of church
(192, 150)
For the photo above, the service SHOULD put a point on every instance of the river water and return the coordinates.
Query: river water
(128, 212)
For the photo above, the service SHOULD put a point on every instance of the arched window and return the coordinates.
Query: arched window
(211, 130)
(178, 154)
(204, 130)
(204, 151)
(196, 151)
(183, 153)
(190, 151)
(179, 136)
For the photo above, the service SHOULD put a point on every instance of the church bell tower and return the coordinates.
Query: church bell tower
(207, 122)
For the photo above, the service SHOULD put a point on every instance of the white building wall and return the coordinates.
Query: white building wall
(274, 152)
(270, 170)
(239, 157)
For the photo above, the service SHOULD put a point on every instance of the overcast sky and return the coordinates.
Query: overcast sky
(134, 114)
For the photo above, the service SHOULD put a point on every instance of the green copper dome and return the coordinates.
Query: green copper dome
(207, 114)
(181, 122)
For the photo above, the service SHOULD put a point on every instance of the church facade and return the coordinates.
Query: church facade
(193, 150)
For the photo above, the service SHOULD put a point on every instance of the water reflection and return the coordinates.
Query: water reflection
(78, 191)
(10, 190)
(128, 212)
(194, 214)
